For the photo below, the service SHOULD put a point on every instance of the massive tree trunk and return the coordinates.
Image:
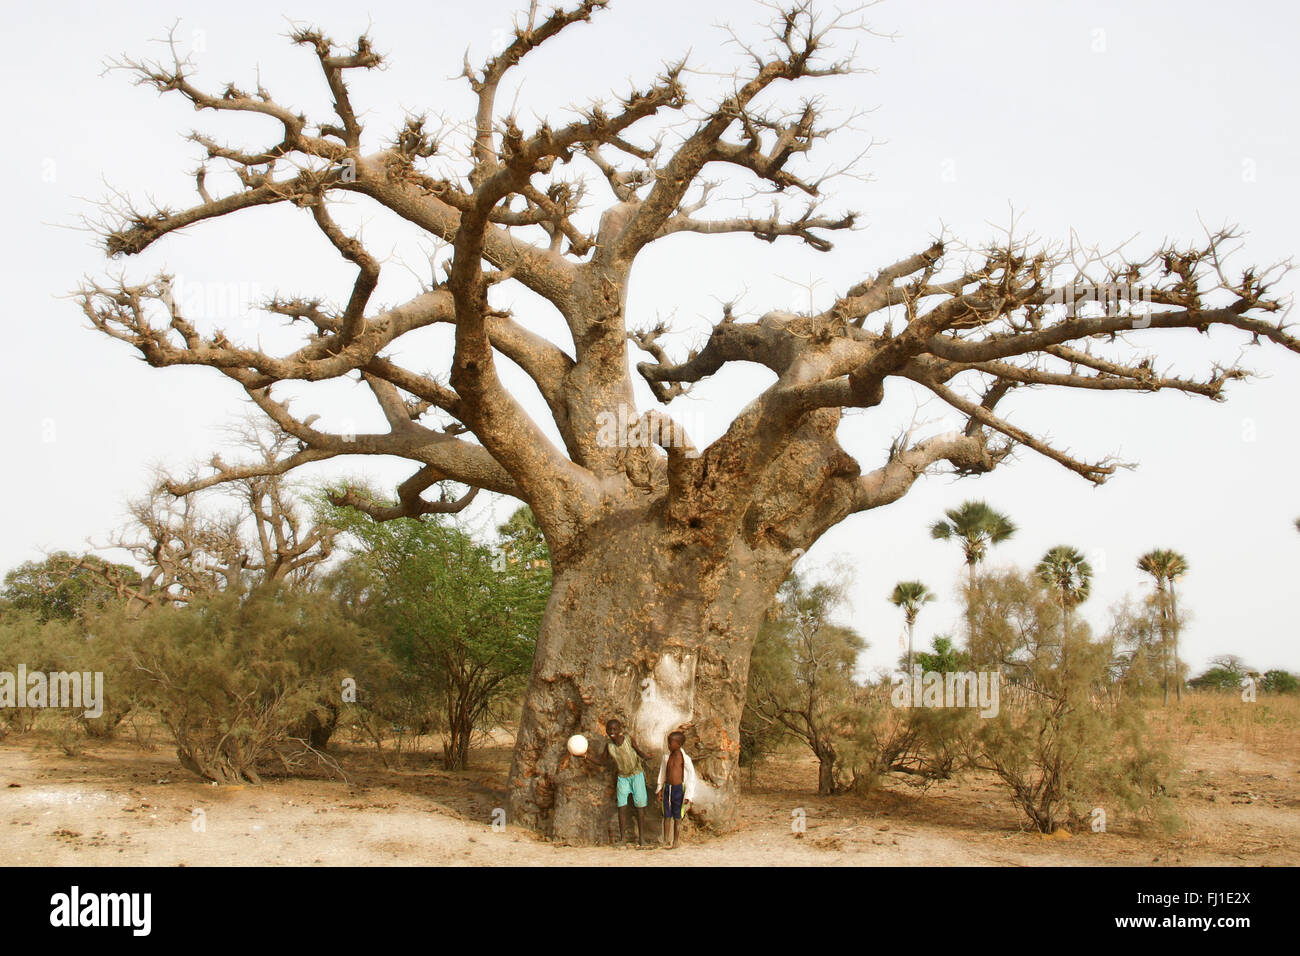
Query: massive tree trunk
(657, 636)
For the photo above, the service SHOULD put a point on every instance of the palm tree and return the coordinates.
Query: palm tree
(1166, 567)
(1066, 571)
(910, 595)
(977, 527)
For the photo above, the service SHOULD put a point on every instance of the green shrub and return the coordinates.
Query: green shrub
(235, 681)
(1067, 744)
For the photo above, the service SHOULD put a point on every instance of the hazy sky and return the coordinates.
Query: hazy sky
(1137, 120)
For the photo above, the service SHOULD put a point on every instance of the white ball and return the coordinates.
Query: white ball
(577, 745)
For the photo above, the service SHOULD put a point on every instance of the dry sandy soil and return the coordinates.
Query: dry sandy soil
(120, 804)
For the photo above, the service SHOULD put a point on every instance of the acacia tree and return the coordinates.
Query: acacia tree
(805, 686)
(664, 555)
(60, 588)
(458, 616)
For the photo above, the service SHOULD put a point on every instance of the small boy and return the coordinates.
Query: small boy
(676, 786)
(627, 757)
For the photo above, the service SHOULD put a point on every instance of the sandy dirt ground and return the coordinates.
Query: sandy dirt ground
(119, 804)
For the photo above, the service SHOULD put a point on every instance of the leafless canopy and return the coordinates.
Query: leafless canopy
(968, 326)
(191, 546)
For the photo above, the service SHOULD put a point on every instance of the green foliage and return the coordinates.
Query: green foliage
(1163, 565)
(870, 736)
(938, 741)
(1279, 682)
(1064, 742)
(976, 526)
(770, 665)
(910, 596)
(26, 639)
(521, 541)
(1065, 571)
(801, 682)
(58, 588)
(233, 679)
(1165, 568)
(1226, 672)
(432, 628)
(459, 618)
(1015, 617)
(945, 657)
(1218, 678)
(61, 645)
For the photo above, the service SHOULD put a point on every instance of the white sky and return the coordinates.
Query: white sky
(1117, 120)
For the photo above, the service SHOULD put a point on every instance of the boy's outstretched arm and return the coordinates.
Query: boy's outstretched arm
(604, 758)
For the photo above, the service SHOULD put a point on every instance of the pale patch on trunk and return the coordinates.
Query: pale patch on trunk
(668, 704)
(667, 699)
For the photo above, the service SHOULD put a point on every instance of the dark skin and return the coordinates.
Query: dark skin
(675, 773)
(614, 730)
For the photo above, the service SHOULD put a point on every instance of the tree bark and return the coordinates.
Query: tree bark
(658, 635)
(1065, 625)
(911, 625)
(460, 727)
(317, 730)
(1164, 640)
(970, 612)
(826, 773)
(1173, 626)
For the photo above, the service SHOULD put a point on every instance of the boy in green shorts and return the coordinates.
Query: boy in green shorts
(627, 758)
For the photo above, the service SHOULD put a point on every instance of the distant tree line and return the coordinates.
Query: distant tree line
(1070, 733)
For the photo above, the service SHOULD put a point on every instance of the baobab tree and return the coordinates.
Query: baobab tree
(664, 554)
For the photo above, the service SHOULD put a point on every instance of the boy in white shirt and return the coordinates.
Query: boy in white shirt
(676, 786)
